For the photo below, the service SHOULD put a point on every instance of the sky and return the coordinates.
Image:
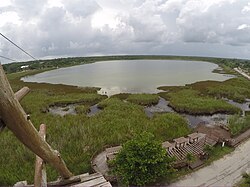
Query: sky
(66, 28)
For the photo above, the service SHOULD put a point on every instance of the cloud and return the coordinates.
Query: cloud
(213, 21)
(90, 27)
(81, 8)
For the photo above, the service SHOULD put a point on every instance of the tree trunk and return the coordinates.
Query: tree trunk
(14, 117)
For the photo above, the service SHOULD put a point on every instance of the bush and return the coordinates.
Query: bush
(142, 160)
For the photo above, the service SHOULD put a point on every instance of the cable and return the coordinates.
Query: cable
(18, 47)
(7, 58)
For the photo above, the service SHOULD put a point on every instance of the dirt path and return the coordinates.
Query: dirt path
(242, 73)
(224, 172)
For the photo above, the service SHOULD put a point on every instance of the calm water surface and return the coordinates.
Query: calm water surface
(133, 76)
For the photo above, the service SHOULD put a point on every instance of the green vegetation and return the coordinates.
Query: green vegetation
(238, 124)
(140, 99)
(168, 126)
(190, 158)
(77, 137)
(246, 180)
(218, 152)
(237, 89)
(81, 109)
(143, 99)
(142, 160)
(192, 102)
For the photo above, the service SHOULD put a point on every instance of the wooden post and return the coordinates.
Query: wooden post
(21, 93)
(40, 179)
(19, 96)
(14, 117)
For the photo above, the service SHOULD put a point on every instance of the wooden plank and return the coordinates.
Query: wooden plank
(14, 117)
(21, 93)
(71, 180)
(90, 177)
(105, 184)
(93, 182)
(19, 96)
(40, 178)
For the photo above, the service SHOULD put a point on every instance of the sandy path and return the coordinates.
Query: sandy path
(223, 172)
(242, 73)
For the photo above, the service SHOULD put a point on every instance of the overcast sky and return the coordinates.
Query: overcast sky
(62, 28)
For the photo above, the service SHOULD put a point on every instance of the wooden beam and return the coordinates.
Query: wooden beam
(14, 117)
(40, 178)
(19, 96)
(21, 93)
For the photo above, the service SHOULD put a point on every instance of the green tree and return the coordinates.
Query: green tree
(142, 160)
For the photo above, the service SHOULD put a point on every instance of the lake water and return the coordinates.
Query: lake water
(133, 76)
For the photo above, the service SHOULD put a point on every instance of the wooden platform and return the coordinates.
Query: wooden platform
(93, 180)
(195, 148)
(85, 180)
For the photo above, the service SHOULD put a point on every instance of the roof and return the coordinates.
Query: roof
(181, 140)
(166, 144)
(196, 135)
(193, 135)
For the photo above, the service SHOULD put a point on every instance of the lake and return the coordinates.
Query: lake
(131, 76)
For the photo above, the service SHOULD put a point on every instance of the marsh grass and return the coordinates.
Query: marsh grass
(193, 102)
(82, 109)
(143, 99)
(238, 124)
(77, 137)
(236, 89)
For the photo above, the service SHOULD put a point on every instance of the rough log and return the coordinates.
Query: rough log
(40, 179)
(19, 96)
(14, 117)
(21, 93)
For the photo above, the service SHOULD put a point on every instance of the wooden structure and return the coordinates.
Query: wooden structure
(14, 117)
(193, 144)
(167, 145)
(193, 137)
(112, 151)
(181, 142)
(40, 178)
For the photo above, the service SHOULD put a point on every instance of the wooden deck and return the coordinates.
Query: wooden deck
(84, 180)
(194, 148)
(193, 144)
(93, 180)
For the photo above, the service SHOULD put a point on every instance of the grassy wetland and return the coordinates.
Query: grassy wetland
(79, 138)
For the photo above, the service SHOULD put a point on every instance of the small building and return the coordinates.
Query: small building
(193, 137)
(181, 142)
(167, 145)
(25, 67)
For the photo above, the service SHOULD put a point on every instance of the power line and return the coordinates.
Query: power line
(18, 47)
(7, 58)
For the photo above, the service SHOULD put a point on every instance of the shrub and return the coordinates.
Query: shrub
(142, 160)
